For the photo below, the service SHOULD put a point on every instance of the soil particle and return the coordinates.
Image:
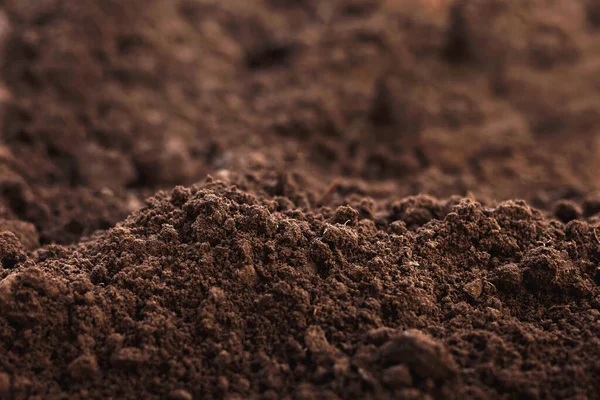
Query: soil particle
(474, 289)
(11, 251)
(507, 277)
(421, 354)
(397, 377)
(566, 210)
(547, 269)
(83, 368)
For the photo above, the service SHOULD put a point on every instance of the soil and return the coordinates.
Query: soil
(299, 199)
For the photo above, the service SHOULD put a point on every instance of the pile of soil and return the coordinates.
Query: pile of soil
(402, 200)
(217, 291)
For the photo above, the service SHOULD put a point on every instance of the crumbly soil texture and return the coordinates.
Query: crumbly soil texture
(277, 199)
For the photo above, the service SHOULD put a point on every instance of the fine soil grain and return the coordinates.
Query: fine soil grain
(266, 199)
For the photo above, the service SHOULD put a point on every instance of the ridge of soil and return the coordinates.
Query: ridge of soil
(107, 103)
(217, 291)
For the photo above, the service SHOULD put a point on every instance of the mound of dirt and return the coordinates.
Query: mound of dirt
(360, 236)
(216, 291)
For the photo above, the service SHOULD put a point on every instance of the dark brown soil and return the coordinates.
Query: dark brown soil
(402, 199)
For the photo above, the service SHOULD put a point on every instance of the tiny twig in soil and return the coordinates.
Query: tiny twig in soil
(328, 193)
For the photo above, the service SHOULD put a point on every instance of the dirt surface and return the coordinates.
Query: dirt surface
(402, 199)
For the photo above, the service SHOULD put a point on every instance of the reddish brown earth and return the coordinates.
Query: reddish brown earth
(402, 199)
